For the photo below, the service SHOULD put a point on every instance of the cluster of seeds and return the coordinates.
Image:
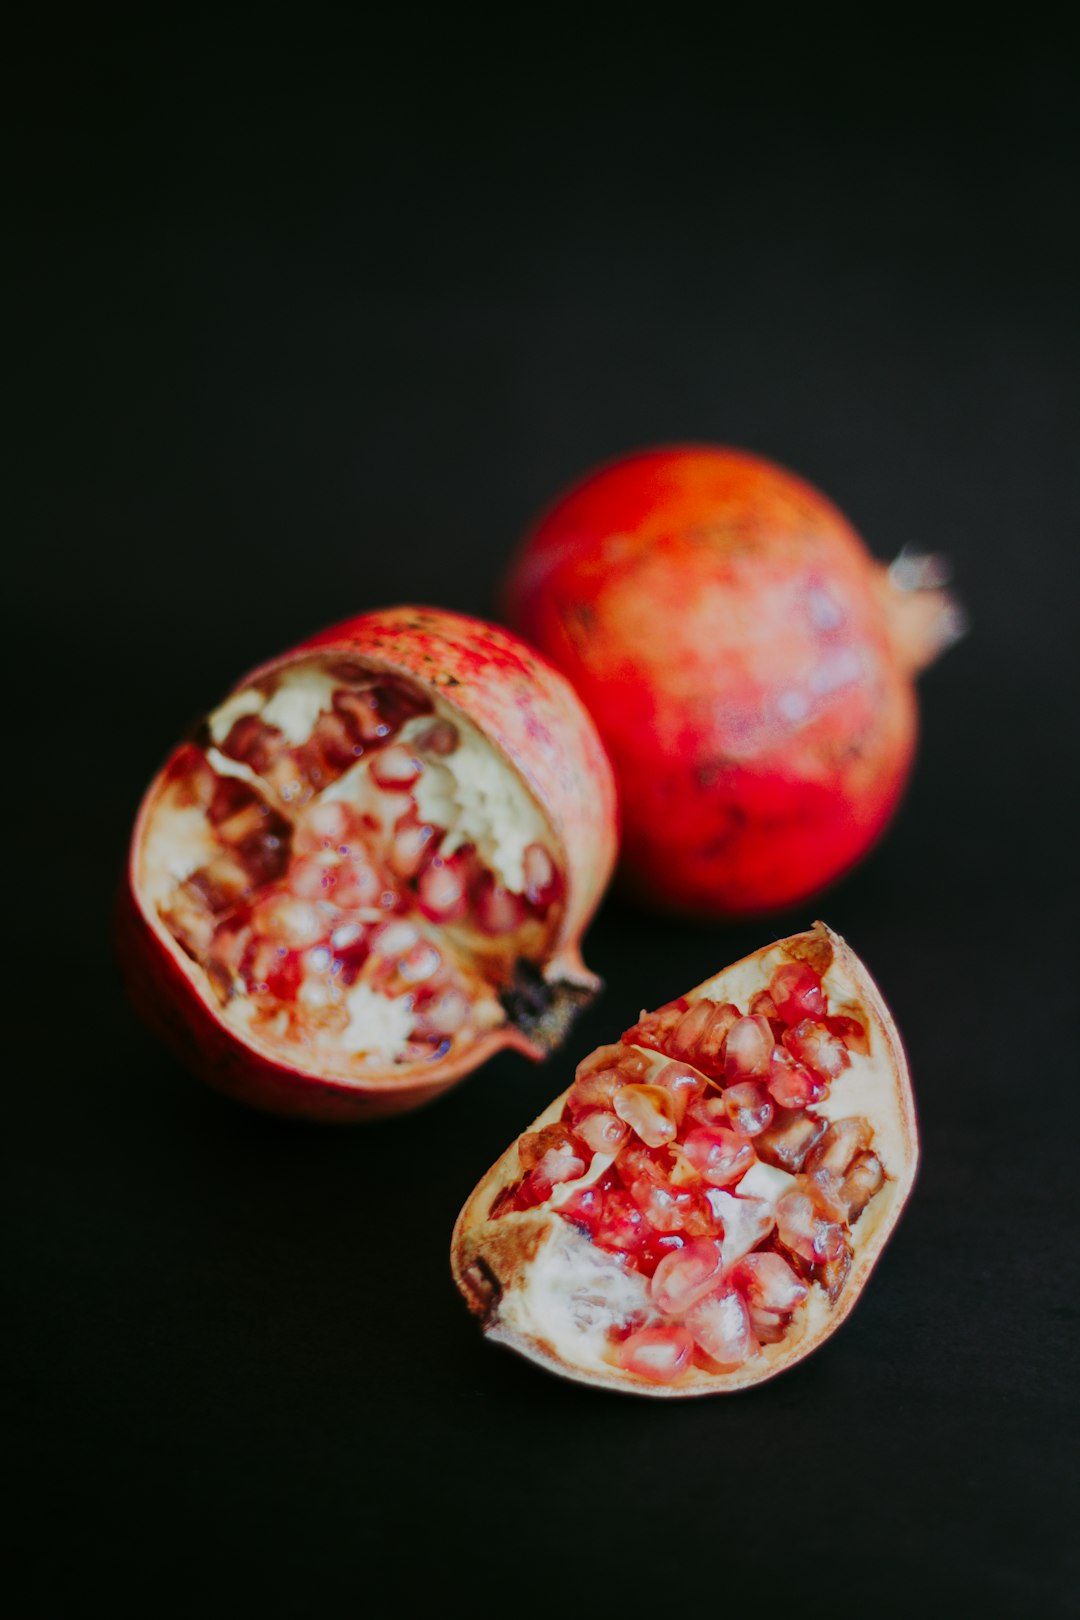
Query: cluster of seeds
(705, 1168)
(308, 897)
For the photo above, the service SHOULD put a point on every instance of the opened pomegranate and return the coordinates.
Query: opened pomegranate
(748, 664)
(370, 868)
(704, 1205)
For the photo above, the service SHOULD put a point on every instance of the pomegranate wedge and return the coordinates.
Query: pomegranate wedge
(698, 1239)
(370, 868)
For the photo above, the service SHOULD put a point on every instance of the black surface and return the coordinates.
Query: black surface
(300, 329)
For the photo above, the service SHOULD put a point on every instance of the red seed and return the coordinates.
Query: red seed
(660, 1354)
(802, 1230)
(396, 768)
(683, 1278)
(865, 1178)
(690, 1028)
(748, 1049)
(720, 1325)
(496, 910)
(685, 1085)
(412, 845)
(718, 1155)
(748, 1107)
(843, 1139)
(672, 1209)
(814, 1046)
(792, 1086)
(769, 1282)
(789, 1139)
(441, 889)
(541, 877)
(650, 1112)
(798, 992)
(441, 738)
(602, 1131)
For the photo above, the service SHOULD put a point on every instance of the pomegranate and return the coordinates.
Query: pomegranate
(370, 867)
(749, 666)
(717, 1240)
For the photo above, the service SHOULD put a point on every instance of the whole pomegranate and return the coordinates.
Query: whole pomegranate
(704, 1205)
(748, 664)
(370, 868)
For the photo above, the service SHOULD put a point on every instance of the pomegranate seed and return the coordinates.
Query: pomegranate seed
(393, 939)
(672, 1209)
(789, 1139)
(691, 1026)
(826, 1193)
(710, 1111)
(312, 878)
(718, 1155)
(748, 1049)
(748, 1107)
(798, 992)
(253, 743)
(720, 1324)
(655, 1029)
(363, 712)
(284, 978)
(792, 1086)
(833, 1274)
(441, 889)
(442, 738)
(596, 1090)
(602, 1132)
(229, 798)
(683, 1278)
(843, 1139)
(630, 1065)
(324, 825)
(637, 1162)
(865, 1178)
(684, 1085)
(290, 921)
(396, 768)
(561, 1164)
(496, 910)
(413, 844)
(621, 1225)
(331, 748)
(660, 1354)
(446, 1013)
(768, 1327)
(710, 1045)
(649, 1111)
(763, 1006)
(802, 1230)
(358, 883)
(420, 963)
(769, 1283)
(535, 1144)
(540, 875)
(745, 1222)
(814, 1046)
(851, 1031)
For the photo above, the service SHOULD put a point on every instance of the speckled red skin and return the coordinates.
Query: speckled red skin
(525, 709)
(680, 591)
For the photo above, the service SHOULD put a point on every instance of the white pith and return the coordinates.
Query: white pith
(562, 1305)
(474, 793)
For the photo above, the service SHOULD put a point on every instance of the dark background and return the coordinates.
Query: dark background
(299, 328)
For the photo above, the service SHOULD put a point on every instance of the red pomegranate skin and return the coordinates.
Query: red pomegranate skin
(527, 711)
(747, 662)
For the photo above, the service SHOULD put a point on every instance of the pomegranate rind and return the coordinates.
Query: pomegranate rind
(502, 1265)
(531, 716)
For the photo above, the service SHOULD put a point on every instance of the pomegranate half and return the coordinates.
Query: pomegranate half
(370, 867)
(704, 1205)
(747, 662)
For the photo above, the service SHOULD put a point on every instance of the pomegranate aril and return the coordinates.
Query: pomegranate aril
(638, 1162)
(817, 1048)
(534, 1144)
(655, 1029)
(673, 1209)
(264, 852)
(446, 1013)
(825, 1191)
(596, 1090)
(229, 799)
(797, 992)
(253, 743)
(219, 885)
(763, 1006)
(769, 1282)
(412, 845)
(289, 921)
(313, 878)
(442, 889)
(832, 1274)
(685, 1277)
(285, 977)
(802, 1230)
(363, 712)
(541, 876)
(561, 1164)
(748, 1107)
(748, 1049)
(496, 910)
(768, 1327)
(683, 1083)
(789, 1139)
(621, 1225)
(331, 748)
(709, 1054)
(864, 1178)
(852, 1031)
(719, 1155)
(660, 1354)
(601, 1131)
(792, 1086)
(843, 1139)
(396, 768)
(720, 1325)
(649, 1111)
(420, 963)
(441, 738)
(393, 939)
(691, 1026)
